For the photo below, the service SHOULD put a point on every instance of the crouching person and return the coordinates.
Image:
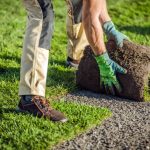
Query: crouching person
(77, 40)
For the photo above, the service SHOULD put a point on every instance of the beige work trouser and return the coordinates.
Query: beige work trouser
(77, 40)
(34, 61)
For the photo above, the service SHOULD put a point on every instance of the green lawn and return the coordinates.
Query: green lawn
(23, 131)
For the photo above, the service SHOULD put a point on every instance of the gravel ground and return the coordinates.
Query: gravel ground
(127, 129)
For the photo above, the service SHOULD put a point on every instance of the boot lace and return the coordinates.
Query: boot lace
(42, 104)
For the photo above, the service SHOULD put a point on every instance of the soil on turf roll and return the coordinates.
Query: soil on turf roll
(135, 58)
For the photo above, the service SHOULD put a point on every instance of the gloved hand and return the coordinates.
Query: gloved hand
(114, 34)
(108, 69)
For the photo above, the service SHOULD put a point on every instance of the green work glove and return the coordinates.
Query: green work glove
(114, 34)
(108, 69)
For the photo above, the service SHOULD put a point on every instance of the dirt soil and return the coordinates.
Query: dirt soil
(135, 58)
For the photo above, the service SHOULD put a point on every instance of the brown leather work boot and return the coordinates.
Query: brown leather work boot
(39, 106)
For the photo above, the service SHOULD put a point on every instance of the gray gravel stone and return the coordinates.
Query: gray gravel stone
(127, 129)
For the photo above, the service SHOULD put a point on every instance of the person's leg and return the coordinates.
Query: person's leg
(76, 35)
(34, 61)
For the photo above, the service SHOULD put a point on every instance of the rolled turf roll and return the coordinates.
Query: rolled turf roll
(134, 57)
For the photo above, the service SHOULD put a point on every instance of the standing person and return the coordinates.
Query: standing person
(34, 61)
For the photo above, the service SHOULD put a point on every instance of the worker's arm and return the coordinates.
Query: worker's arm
(92, 25)
(93, 29)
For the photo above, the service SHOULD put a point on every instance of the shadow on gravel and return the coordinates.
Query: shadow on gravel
(99, 97)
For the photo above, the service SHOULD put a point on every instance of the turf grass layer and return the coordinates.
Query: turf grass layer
(23, 131)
